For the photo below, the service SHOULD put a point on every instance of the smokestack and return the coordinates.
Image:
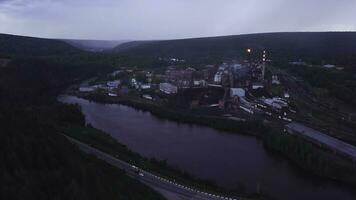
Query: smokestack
(263, 64)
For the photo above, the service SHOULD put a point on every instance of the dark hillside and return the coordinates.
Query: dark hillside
(36, 162)
(334, 47)
(12, 45)
(95, 45)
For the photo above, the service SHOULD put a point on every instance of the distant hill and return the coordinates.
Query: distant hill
(12, 45)
(127, 46)
(95, 45)
(334, 47)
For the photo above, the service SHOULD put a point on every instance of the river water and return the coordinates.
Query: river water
(230, 160)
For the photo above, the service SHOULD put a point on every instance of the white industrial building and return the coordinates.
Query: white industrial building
(113, 84)
(199, 83)
(329, 66)
(147, 96)
(168, 88)
(237, 92)
(87, 89)
(275, 80)
(256, 86)
(322, 139)
(218, 77)
(275, 102)
(145, 86)
(111, 94)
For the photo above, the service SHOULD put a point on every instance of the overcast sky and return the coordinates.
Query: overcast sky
(168, 19)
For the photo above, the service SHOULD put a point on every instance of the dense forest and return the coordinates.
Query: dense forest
(36, 161)
(340, 84)
(332, 47)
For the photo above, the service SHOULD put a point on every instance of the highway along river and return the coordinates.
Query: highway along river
(230, 160)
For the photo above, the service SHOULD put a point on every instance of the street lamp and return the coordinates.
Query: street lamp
(249, 51)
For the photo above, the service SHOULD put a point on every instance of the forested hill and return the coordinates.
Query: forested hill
(336, 47)
(36, 161)
(95, 45)
(12, 45)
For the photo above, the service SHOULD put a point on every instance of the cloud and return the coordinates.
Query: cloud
(161, 19)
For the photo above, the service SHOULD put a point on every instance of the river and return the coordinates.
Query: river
(230, 160)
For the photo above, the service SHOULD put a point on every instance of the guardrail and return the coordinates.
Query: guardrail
(158, 178)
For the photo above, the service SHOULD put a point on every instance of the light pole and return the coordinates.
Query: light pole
(249, 51)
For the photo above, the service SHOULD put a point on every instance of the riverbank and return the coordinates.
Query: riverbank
(182, 116)
(305, 155)
(104, 142)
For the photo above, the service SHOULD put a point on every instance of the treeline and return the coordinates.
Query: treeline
(339, 84)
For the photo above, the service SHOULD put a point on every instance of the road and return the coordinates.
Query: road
(321, 138)
(170, 189)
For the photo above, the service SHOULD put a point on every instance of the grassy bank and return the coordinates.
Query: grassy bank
(122, 186)
(106, 143)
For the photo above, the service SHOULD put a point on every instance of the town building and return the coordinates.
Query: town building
(286, 95)
(256, 86)
(115, 73)
(275, 103)
(168, 88)
(145, 86)
(180, 74)
(182, 78)
(112, 94)
(218, 77)
(239, 92)
(329, 66)
(301, 63)
(199, 83)
(113, 84)
(87, 89)
(147, 96)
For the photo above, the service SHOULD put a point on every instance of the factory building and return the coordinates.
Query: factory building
(275, 103)
(329, 66)
(113, 84)
(168, 88)
(239, 92)
(218, 77)
(87, 89)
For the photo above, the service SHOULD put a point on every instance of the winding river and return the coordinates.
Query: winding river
(230, 160)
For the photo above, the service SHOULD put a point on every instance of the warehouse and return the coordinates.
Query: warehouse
(322, 139)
